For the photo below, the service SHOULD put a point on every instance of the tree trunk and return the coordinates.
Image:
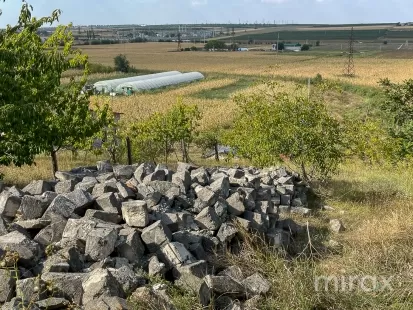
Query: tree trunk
(184, 152)
(305, 176)
(129, 147)
(54, 162)
(216, 152)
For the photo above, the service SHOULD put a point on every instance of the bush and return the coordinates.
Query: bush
(215, 44)
(122, 63)
(187, 49)
(273, 126)
(281, 46)
(305, 47)
(385, 42)
(194, 48)
(158, 135)
(317, 43)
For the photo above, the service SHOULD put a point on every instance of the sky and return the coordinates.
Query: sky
(110, 12)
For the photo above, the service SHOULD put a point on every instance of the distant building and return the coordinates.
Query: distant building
(242, 49)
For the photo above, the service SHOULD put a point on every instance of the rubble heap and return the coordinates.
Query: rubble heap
(94, 237)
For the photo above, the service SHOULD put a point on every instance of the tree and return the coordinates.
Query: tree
(209, 140)
(281, 46)
(159, 134)
(122, 63)
(398, 111)
(215, 44)
(305, 47)
(37, 114)
(273, 126)
(317, 43)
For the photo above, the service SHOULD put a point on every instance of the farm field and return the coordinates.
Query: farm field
(161, 57)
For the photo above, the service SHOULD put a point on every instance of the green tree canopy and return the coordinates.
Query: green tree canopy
(398, 110)
(122, 63)
(215, 44)
(37, 114)
(275, 126)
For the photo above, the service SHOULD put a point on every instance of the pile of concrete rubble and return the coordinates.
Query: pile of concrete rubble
(94, 238)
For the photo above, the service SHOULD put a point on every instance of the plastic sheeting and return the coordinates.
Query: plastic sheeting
(137, 86)
(109, 85)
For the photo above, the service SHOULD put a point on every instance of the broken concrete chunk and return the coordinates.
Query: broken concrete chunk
(236, 204)
(135, 213)
(226, 232)
(336, 225)
(65, 187)
(7, 284)
(157, 175)
(234, 272)
(221, 187)
(225, 285)
(52, 303)
(32, 289)
(123, 172)
(124, 191)
(9, 204)
(37, 188)
(100, 243)
(256, 285)
(103, 216)
(156, 268)
(28, 250)
(155, 236)
(32, 207)
(129, 245)
(100, 282)
(208, 219)
(175, 253)
(108, 202)
(66, 285)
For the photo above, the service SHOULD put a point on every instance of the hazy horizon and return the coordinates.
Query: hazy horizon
(153, 12)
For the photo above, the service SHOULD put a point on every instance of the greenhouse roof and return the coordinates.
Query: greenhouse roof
(162, 81)
(107, 85)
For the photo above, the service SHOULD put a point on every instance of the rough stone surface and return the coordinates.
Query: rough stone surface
(155, 267)
(100, 282)
(7, 285)
(225, 285)
(135, 213)
(129, 245)
(175, 253)
(235, 204)
(66, 285)
(32, 207)
(37, 187)
(32, 289)
(100, 243)
(208, 219)
(256, 285)
(28, 250)
(108, 202)
(336, 225)
(9, 204)
(65, 187)
(226, 232)
(155, 236)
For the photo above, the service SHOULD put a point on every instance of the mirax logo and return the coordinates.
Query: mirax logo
(351, 283)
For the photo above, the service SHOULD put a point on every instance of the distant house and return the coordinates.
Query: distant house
(242, 49)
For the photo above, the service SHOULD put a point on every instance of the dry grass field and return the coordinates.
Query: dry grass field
(162, 57)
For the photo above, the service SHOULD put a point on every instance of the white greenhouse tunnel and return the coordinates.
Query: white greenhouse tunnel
(159, 82)
(108, 85)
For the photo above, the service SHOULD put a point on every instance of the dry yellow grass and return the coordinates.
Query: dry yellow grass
(161, 56)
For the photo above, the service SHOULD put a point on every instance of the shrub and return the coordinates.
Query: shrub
(122, 63)
(273, 126)
(305, 47)
(215, 44)
(194, 48)
(317, 43)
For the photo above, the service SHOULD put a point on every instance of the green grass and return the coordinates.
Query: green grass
(225, 92)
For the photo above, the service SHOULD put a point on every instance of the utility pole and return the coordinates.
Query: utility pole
(349, 69)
